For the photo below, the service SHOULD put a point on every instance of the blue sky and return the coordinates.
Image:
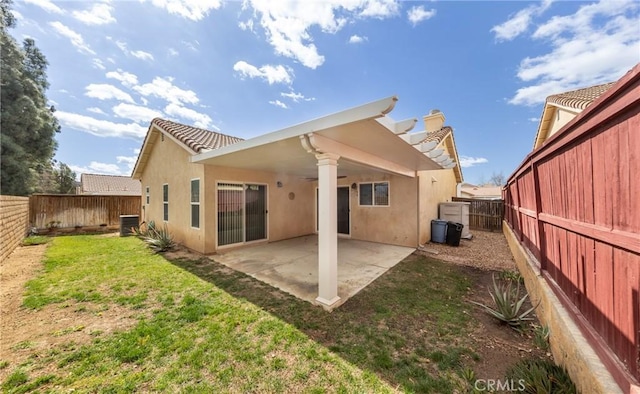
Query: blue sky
(247, 68)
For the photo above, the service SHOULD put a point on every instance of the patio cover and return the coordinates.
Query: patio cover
(361, 139)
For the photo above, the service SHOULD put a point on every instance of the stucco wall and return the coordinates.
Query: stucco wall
(169, 163)
(287, 216)
(395, 224)
(14, 223)
(431, 194)
(560, 118)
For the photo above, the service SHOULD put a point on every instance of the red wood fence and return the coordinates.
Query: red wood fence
(574, 204)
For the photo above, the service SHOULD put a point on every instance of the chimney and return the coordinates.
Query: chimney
(434, 121)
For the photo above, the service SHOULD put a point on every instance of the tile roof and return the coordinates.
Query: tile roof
(109, 184)
(195, 138)
(438, 135)
(581, 98)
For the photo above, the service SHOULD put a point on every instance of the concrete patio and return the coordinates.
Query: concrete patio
(292, 265)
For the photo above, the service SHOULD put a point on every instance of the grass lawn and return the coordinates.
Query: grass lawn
(201, 327)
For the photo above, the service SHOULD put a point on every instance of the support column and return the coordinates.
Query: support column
(327, 229)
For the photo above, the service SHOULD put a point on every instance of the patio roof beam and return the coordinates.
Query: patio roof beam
(315, 143)
(400, 127)
(414, 138)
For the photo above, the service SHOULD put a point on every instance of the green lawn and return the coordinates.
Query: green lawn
(202, 327)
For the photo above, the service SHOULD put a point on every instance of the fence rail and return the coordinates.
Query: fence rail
(484, 214)
(68, 211)
(573, 203)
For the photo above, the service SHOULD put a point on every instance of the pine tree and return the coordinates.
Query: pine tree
(28, 126)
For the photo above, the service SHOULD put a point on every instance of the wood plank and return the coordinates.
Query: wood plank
(633, 139)
(604, 285)
(621, 188)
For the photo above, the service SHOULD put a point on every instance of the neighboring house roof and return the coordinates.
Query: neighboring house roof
(193, 139)
(97, 184)
(574, 101)
(481, 191)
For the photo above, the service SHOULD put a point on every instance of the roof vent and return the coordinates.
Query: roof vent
(434, 111)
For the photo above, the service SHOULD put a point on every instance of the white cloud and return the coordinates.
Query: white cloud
(99, 14)
(96, 167)
(97, 63)
(296, 97)
(519, 23)
(380, 8)
(130, 161)
(126, 78)
(198, 119)
(137, 113)
(288, 24)
(418, 14)
(466, 161)
(16, 15)
(173, 52)
(100, 128)
(596, 44)
(165, 89)
(46, 5)
(248, 25)
(534, 120)
(103, 91)
(76, 39)
(278, 103)
(142, 55)
(356, 39)
(194, 10)
(96, 110)
(272, 74)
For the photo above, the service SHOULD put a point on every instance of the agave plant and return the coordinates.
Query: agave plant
(160, 240)
(508, 304)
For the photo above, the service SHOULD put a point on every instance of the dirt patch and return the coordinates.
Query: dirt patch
(25, 332)
(486, 250)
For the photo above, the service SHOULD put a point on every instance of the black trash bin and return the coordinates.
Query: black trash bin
(454, 232)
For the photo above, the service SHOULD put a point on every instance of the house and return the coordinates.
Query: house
(559, 109)
(97, 184)
(468, 190)
(355, 173)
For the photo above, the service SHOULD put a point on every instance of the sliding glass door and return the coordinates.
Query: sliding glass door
(242, 213)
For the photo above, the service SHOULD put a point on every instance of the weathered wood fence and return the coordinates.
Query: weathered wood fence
(484, 214)
(72, 211)
(574, 204)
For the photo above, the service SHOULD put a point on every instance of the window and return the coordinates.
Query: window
(195, 203)
(374, 194)
(165, 201)
(147, 195)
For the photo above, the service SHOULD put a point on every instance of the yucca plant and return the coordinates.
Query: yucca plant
(160, 240)
(508, 304)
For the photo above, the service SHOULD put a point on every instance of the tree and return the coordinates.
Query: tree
(27, 123)
(497, 179)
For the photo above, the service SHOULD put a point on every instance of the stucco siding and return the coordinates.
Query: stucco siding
(290, 207)
(560, 118)
(435, 187)
(169, 164)
(394, 224)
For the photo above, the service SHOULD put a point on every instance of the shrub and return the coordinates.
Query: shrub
(160, 240)
(541, 337)
(508, 304)
(541, 376)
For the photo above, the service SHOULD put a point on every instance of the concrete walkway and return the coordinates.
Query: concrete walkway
(292, 265)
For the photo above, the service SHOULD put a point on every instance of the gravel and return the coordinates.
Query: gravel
(486, 250)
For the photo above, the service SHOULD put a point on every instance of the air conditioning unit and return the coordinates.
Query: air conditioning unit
(127, 222)
(457, 212)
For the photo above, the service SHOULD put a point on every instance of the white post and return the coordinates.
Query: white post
(327, 229)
